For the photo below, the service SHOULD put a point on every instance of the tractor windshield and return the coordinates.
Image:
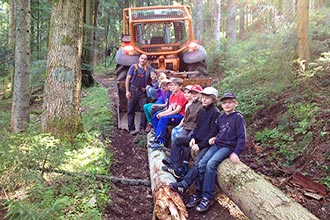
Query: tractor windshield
(156, 30)
(160, 33)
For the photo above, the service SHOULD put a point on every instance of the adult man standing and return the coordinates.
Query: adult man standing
(136, 82)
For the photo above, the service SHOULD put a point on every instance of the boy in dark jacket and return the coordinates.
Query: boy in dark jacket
(198, 141)
(229, 142)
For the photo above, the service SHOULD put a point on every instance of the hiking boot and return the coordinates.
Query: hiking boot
(179, 187)
(134, 132)
(172, 171)
(149, 127)
(156, 146)
(167, 162)
(204, 205)
(193, 201)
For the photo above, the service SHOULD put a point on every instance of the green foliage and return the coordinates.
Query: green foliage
(326, 181)
(319, 31)
(292, 136)
(30, 191)
(37, 76)
(95, 109)
(40, 11)
(140, 140)
(255, 70)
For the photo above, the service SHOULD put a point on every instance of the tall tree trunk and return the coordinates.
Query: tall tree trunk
(12, 37)
(242, 20)
(87, 71)
(303, 48)
(95, 54)
(216, 24)
(21, 99)
(61, 115)
(199, 19)
(231, 22)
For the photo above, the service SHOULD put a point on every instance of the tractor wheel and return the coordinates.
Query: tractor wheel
(199, 66)
(121, 75)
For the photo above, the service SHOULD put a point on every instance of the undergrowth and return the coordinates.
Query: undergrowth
(45, 178)
(263, 72)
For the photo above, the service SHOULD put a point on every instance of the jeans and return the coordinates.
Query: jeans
(207, 168)
(190, 177)
(180, 131)
(161, 124)
(138, 98)
(151, 92)
(180, 151)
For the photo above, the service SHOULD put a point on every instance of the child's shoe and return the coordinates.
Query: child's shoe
(193, 201)
(179, 187)
(172, 171)
(204, 205)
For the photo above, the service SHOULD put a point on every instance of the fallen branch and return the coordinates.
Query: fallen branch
(125, 181)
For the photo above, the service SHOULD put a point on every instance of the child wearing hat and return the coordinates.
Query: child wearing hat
(229, 142)
(197, 142)
(194, 105)
(172, 115)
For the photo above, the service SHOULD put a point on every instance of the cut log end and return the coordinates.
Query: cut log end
(169, 204)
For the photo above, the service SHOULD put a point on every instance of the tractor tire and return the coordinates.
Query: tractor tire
(199, 66)
(121, 75)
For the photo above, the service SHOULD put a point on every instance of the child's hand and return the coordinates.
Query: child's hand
(159, 115)
(234, 158)
(212, 140)
(192, 142)
(195, 147)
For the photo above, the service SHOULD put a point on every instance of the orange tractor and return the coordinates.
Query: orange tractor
(165, 34)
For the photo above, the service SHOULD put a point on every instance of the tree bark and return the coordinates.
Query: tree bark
(199, 19)
(242, 20)
(12, 37)
(21, 98)
(257, 198)
(168, 204)
(61, 114)
(231, 22)
(216, 24)
(303, 48)
(87, 71)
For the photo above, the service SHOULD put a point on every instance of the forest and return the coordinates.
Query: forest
(60, 148)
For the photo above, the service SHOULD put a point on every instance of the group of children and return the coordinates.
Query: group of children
(201, 132)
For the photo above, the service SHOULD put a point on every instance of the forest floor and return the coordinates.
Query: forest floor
(136, 202)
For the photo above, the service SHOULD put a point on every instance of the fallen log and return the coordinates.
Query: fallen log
(256, 197)
(167, 203)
